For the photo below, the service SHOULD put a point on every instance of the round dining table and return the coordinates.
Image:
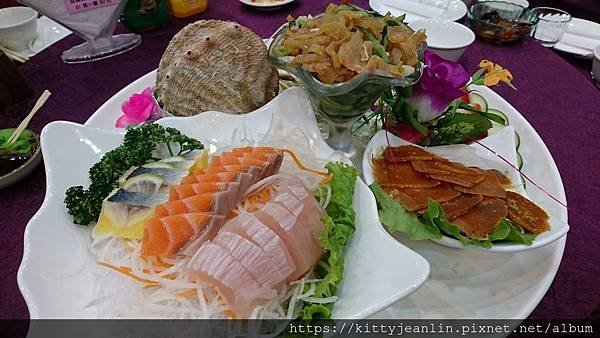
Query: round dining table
(561, 103)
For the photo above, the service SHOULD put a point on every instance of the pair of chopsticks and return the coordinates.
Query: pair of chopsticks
(14, 55)
(40, 102)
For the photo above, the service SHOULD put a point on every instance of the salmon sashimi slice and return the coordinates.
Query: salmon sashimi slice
(483, 218)
(489, 186)
(526, 213)
(458, 179)
(407, 153)
(213, 265)
(166, 235)
(181, 191)
(441, 193)
(444, 167)
(400, 175)
(250, 227)
(460, 205)
(219, 177)
(270, 271)
(298, 238)
(217, 203)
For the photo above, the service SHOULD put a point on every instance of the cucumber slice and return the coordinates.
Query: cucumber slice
(519, 160)
(500, 114)
(475, 98)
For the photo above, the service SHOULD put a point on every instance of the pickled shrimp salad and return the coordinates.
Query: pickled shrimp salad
(230, 235)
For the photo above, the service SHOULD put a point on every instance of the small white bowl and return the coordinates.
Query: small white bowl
(18, 27)
(446, 38)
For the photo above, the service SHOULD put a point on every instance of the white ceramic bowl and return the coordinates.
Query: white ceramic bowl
(18, 27)
(446, 38)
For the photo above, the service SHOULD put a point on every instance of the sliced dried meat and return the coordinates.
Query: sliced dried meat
(400, 175)
(526, 213)
(441, 193)
(404, 199)
(460, 205)
(407, 153)
(483, 218)
(444, 167)
(504, 181)
(460, 179)
(489, 186)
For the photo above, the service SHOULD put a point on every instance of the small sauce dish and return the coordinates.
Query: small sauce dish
(446, 38)
(15, 167)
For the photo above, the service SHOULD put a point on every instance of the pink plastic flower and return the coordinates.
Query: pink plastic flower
(441, 83)
(138, 109)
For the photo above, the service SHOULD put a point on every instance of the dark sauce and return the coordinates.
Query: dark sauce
(10, 162)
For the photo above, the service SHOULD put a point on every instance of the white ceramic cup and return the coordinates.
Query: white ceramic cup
(446, 38)
(18, 27)
(596, 66)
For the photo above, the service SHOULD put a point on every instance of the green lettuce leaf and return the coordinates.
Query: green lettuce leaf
(338, 227)
(431, 225)
(396, 218)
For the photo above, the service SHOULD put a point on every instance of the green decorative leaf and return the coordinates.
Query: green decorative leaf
(397, 218)
(460, 128)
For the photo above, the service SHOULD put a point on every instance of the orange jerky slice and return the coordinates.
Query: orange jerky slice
(441, 193)
(400, 175)
(460, 205)
(403, 198)
(526, 213)
(482, 220)
(489, 186)
(460, 179)
(444, 167)
(407, 153)
(504, 181)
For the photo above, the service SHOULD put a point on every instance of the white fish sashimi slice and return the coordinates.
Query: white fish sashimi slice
(298, 238)
(269, 270)
(307, 211)
(251, 228)
(213, 265)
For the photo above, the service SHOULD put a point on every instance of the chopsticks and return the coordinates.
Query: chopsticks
(40, 102)
(14, 55)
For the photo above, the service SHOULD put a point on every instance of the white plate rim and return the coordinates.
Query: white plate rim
(266, 5)
(460, 13)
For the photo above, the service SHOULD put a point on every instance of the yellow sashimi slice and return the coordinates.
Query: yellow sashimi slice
(201, 161)
(131, 226)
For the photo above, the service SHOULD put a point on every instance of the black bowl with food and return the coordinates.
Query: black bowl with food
(500, 22)
(18, 158)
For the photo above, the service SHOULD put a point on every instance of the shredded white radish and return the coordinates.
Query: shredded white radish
(325, 300)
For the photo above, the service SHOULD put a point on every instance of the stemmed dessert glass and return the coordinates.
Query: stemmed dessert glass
(341, 104)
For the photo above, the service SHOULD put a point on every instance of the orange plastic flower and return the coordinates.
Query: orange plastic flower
(495, 74)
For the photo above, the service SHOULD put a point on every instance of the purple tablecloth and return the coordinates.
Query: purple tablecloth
(558, 100)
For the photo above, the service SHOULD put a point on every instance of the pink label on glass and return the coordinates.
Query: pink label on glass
(76, 6)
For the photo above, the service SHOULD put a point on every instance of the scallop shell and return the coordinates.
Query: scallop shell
(215, 65)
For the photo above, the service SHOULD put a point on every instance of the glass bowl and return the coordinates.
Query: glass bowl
(500, 22)
(342, 103)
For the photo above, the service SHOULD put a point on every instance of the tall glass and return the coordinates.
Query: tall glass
(341, 104)
(94, 21)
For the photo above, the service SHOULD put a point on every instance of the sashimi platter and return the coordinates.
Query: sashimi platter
(211, 188)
